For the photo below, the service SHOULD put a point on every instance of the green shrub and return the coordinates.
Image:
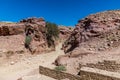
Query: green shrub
(52, 33)
(52, 30)
(28, 39)
(60, 68)
(70, 28)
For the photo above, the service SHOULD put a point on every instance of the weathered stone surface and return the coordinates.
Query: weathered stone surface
(7, 29)
(57, 74)
(106, 65)
(91, 37)
(97, 74)
(86, 73)
(95, 30)
(34, 20)
(38, 35)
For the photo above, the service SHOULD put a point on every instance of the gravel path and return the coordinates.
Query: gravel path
(26, 65)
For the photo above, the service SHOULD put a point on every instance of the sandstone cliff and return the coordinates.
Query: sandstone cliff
(12, 36)
(97, 32)
(90, 41)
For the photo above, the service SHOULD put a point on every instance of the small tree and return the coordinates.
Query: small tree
(52, 33)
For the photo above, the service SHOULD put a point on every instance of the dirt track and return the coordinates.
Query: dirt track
(27, 65)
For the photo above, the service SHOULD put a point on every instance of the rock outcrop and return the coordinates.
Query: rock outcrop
(97, 32)
(38, 21)
(91, 37)
(14, 34)
(37, 25)
(10, 28)
(7, 29)
(38, 35)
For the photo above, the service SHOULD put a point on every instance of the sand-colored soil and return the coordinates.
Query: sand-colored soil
(28, 66)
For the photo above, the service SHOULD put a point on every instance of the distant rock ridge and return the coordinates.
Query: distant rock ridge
(34, 20)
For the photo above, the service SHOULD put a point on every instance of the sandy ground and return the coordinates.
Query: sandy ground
(27, 66)
(112, 55)
(22, 67)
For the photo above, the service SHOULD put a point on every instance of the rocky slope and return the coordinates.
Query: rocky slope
(12, 37)
(97, 33)
(28, 66)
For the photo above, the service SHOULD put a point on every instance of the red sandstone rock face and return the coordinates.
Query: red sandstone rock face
(95, 33)
(38, 43)
(88, 32)
(11, 29)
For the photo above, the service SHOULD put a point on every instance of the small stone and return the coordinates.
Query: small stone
(90, 49)
(111, 42)
(12, 63)
(100, 49)
(29, 58)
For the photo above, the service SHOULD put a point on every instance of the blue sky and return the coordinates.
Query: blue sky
(61, 12)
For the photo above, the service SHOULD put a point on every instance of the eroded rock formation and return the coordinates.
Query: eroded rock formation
(7, 29)
(91, 37)
(38, 35)
(96, 32)
(13, 35)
